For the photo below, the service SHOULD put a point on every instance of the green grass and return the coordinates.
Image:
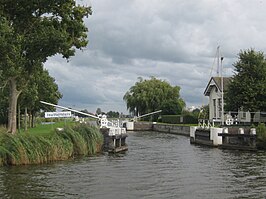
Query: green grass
(46, 129)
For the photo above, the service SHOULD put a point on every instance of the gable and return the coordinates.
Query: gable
(216, 82)
(210, 86)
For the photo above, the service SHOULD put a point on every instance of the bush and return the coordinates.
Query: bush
(177, 119)
(261, 136)
(171, 119)
(190, 119)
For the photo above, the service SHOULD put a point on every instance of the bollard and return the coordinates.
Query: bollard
(225, 130)
(240, 131)
(252, 131)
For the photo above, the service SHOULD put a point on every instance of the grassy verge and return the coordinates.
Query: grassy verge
(42, 146)
(47, 128)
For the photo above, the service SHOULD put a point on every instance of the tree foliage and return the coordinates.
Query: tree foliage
(43, 87)
(204, 112)
(30, 32)
(98, 111)
(247, 89)
(153, 94)
(3, 106)
(112, 114)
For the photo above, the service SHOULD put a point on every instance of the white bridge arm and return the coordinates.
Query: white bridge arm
(69, 109)
(149, 114)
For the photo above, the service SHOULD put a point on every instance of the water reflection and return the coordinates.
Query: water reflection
(157, 165)
(248, 174)
(23, 182)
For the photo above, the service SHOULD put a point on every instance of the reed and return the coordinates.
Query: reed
(79, 144)
(91, 136)
(24, 148)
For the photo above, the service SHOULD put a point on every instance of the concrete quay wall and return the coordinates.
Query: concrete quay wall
(173, 129)
(167, 128)
(143, 126)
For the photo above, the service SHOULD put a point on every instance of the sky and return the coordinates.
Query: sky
(172, 40)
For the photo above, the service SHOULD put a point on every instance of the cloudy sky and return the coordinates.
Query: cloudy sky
(173, 40)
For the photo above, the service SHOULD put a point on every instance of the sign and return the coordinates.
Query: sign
(57, 114)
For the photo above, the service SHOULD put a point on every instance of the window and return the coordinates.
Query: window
(220, 107)
(214, 108)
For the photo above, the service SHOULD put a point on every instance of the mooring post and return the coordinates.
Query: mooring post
(114, 141)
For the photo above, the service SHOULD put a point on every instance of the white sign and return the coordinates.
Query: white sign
(57, 114)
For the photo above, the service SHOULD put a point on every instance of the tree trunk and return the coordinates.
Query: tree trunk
(32, 120)
(12, 111)
(26, 120)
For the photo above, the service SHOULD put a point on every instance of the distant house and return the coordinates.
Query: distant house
(214, 92)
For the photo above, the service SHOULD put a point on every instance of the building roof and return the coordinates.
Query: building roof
(216, 82)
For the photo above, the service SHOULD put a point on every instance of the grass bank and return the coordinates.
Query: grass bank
(39, 148)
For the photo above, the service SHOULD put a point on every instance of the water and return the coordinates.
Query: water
(157, 165)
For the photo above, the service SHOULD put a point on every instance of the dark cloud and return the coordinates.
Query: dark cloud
(174, 40)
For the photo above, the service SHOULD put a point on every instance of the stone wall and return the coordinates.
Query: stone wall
(143, 126)
(167, 128)
(174, 129)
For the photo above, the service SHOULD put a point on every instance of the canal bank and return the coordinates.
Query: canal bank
(233, 138)
(173, 129)
(165, 128)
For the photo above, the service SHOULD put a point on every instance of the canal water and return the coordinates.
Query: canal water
(157, 165)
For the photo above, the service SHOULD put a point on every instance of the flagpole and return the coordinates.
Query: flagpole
(222, 90)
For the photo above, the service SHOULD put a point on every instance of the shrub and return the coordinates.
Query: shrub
(177, 119)
(171, 119)
(261, 136)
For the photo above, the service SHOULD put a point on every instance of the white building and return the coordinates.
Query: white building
(214, 92)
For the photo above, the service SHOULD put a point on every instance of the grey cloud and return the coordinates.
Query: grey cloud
(173, 40)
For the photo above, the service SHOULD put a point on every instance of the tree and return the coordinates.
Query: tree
(247, 90)
(153, 94)
(30, 32)
(98, 111)
(112, 114)
(81, 115)
(172, 107)
(43, 87)
(204, 112)
(3, 106)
